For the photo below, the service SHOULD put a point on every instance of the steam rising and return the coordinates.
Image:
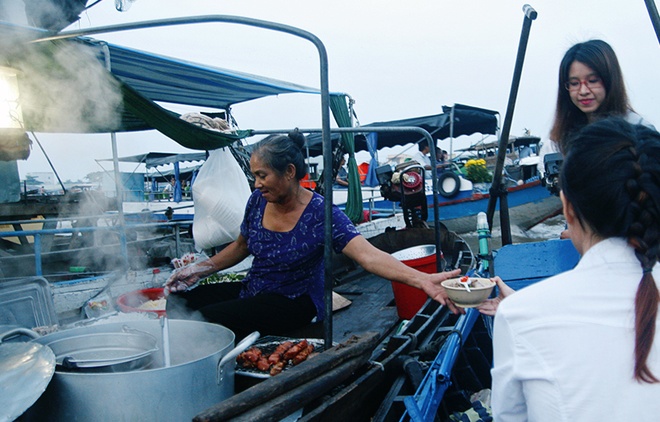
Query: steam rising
(65, 88)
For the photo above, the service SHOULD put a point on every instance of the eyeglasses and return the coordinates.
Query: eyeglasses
(591, 83)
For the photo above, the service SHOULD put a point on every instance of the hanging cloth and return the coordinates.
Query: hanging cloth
(372, 145)
(354, 208)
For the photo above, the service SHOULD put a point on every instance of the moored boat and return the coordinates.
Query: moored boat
(366, 376)
(459, 199)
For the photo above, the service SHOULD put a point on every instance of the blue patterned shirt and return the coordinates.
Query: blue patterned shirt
(291, 263)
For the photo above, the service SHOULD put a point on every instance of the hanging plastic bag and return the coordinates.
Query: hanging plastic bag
(220, 193)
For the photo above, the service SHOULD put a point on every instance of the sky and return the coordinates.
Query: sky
(395, 59)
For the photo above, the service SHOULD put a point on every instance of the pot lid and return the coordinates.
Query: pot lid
(27, 302)
(414, 252)
(25, 371)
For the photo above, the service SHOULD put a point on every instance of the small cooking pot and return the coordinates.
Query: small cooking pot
(104, 352)
(193, 382)
(127, 350)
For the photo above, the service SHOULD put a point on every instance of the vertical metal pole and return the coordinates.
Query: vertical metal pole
(436, 211)
(655, 18)
(118, 184)
(37, 255)
(177, 239)
(451, 132)
(327, 184)
(497, 190)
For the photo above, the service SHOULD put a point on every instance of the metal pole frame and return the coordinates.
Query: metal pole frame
(325, 105)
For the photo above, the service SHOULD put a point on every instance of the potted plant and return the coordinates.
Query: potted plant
(478, 174)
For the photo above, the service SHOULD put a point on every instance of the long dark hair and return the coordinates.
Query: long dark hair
(611, 176)
(278, 151)
(600, 57)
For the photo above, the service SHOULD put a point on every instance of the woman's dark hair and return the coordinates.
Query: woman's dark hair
(278, 151)
(600, 57)
(611, 176)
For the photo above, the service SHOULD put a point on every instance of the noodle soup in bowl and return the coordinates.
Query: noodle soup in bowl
(145, 300)
(480, 289)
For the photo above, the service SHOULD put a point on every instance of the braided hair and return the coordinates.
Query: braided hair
(611, 176)
(278, 151)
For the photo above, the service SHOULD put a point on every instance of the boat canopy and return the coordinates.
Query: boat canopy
(466, 121)
(155, 159)
(65, 87)
(514, 141)
(83, 85)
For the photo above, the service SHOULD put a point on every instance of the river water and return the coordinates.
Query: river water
(549, 229)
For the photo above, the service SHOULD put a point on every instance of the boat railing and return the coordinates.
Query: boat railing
(374, 211)
(63, 230)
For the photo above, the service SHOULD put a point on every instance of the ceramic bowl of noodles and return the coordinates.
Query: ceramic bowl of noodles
(479, 290)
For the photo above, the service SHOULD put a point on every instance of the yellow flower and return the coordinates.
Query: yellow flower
(477, 171)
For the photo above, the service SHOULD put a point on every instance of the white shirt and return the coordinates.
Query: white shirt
(563, 348)
(424, 160)
(548, 146)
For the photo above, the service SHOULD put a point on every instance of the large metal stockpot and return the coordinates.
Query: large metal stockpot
(192, 383)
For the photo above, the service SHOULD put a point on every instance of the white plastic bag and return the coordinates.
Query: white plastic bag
(220, 193)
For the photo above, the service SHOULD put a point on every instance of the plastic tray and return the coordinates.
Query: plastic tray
(27, 302)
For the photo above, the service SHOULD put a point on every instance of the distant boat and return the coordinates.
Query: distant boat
(460, 200)
(146, 192)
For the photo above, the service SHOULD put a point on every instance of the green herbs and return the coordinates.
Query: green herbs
(222, 278)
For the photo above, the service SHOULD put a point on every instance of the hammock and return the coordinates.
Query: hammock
(170, 124)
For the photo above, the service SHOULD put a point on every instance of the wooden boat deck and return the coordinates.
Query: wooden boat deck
(372, 309)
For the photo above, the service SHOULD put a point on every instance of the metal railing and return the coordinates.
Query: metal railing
(38, 234)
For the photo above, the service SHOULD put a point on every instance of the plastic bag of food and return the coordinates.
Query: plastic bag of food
(187, 259)
(220, 193)
(186, 263)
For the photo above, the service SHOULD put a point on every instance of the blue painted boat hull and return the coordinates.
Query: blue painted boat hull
(529, 204)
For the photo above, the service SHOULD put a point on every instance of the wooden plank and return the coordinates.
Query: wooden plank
(290, 379)
(372, 308)
(284, 405)
(360, 399)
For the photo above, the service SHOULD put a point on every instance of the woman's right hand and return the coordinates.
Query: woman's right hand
(489, 306)
(182, 279)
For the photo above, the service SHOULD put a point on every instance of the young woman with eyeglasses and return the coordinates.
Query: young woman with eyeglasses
(590, 87)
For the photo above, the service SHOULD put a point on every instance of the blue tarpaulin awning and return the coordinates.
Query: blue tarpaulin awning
(59, 69)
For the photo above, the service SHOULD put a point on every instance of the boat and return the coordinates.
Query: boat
(453, 380)
(460, 200)
(373, 370)
(378, 296)
(145, 192)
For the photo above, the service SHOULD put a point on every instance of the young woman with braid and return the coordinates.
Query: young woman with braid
(583, 345)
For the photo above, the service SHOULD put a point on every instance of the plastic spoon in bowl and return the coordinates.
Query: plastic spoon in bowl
(465, 281)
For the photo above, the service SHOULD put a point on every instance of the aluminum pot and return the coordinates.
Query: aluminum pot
(196, 379)
(104, 352)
